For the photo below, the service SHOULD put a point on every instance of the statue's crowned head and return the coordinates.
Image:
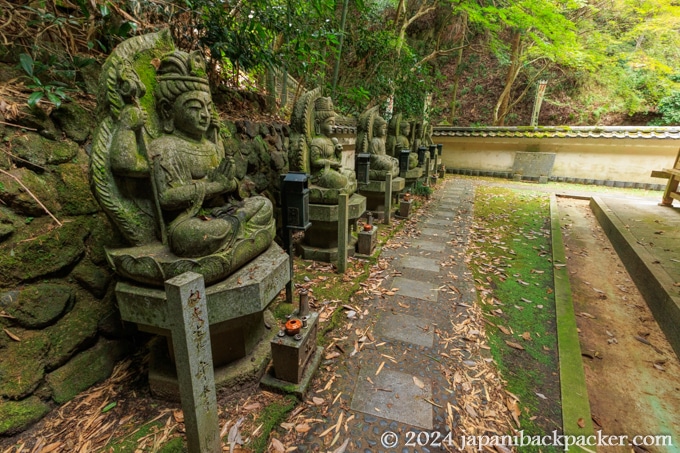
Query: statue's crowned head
(379, 126)
(323, 112)
(182, 84)
(405, 128)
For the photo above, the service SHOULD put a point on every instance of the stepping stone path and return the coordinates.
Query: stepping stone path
(398, 381)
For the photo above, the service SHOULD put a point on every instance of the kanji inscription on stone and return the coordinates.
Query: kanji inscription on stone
(191, 341)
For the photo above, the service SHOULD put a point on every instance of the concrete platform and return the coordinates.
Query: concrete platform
(647, 238)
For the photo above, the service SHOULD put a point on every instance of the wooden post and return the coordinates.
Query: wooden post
(191, 342)
(388, 199)
(343, 231)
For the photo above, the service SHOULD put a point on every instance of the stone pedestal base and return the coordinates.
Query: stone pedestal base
(412, 176)
(374, 191)
(228, 377)
(367, 241)
(236, 315)
(321, 239)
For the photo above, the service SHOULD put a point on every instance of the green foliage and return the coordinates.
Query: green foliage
(634, 48)
(54, 91)
(422, 189)
(111, 29)
(669, 108)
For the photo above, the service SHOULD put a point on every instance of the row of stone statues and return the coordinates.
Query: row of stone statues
(313, 150)
(160, 171)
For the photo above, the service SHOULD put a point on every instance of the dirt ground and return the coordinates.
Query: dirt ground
(631, 370)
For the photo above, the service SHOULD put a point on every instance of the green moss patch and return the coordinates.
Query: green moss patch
(43, 254)
(271, 417)
(40, 305)
(43, 187)
(74, 191)
(22, 364)
(37, 151)
(76, 329)
(129, 444)
(16, 416)
(76, 122)
(512, 264)
(91, 277)
(84, 370)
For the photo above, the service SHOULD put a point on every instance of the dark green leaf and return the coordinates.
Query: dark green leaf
(54, 99)
(34, 98)
(26, 63)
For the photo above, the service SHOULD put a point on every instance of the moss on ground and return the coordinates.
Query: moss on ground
(270, 417)
(130, 443)
(511, 261)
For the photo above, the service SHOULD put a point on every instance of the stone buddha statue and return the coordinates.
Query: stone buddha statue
(400, 139)
(195, 175)
(326, 152)
(371, 138)
(314, 151)
(162, 175)
(380, 161)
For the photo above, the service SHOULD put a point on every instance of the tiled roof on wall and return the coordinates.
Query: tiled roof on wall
(672, 132)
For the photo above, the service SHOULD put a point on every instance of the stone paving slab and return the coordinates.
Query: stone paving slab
(416, 289)
(437, 223)
(406, 328)
(418, 262)
(393, 395)
(428, 246)
(434, 232)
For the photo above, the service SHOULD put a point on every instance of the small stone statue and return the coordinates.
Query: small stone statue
(400, 131)
(371, 137)
(314, 151)
(161, 174)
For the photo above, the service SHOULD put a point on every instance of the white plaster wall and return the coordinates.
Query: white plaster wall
(630, 160)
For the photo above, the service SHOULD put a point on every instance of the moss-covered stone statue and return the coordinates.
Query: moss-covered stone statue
(399, 138)
(313, 151)
(371, 137)
(160, 172)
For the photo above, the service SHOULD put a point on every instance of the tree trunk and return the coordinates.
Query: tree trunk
(501, 109)
(456, 80)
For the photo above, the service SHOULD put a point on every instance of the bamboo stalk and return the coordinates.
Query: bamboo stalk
(32, 195)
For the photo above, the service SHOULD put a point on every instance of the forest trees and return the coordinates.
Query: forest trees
(540, 34)
(600, 55)
(639, 41)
